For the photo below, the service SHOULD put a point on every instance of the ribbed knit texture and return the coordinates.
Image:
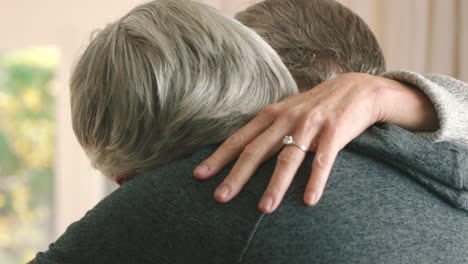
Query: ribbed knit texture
(450, 98)
(392, 197)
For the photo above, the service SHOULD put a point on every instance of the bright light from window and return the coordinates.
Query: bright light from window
(27, 133)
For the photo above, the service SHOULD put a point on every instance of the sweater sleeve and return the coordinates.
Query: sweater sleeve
(450, 99)
(441, 167)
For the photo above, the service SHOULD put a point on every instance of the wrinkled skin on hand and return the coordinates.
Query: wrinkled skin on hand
(324, 119)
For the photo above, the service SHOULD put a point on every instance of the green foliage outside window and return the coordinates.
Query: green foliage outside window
(27, 133)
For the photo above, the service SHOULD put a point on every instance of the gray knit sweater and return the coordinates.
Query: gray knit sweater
(392, 197)
(450, 98)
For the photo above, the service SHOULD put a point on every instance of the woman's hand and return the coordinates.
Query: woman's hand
(324, 119)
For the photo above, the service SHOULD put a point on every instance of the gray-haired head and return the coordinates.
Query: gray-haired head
(167, 78)
(316, 39)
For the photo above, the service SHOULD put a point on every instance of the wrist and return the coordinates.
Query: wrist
(406, 106)
(382, 96)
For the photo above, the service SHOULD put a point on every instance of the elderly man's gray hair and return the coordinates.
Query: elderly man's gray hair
(167, 78)
(316, 39)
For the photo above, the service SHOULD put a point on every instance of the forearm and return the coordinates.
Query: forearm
(407, 106)
(449, 98)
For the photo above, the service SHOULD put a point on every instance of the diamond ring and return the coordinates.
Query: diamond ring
(289, 141)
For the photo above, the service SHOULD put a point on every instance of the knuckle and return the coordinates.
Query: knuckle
(291, 113)
(282, 119)
(234, 142)
(270, 110)
(312, 119)
(322, 160)
(332, 126)
(252, 149)
(315, 116)
(287, 156)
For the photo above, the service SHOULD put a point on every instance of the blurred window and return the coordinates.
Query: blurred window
(27, 128)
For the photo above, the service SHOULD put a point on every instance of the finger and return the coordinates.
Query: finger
(287, 165)
(325, 156)
(253, 155)
(313, 144)
(231, 148)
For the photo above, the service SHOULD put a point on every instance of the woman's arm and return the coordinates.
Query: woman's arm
(325, 119)
(406, 106)
(448, 96)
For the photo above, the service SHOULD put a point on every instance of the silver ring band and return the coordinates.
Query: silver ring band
(289, 141)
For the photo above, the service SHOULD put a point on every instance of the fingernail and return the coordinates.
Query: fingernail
(222, 192)
(201, 170)
(266, 203)
(311, 198)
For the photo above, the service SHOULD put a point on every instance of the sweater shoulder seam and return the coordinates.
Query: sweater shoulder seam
(249, 241)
